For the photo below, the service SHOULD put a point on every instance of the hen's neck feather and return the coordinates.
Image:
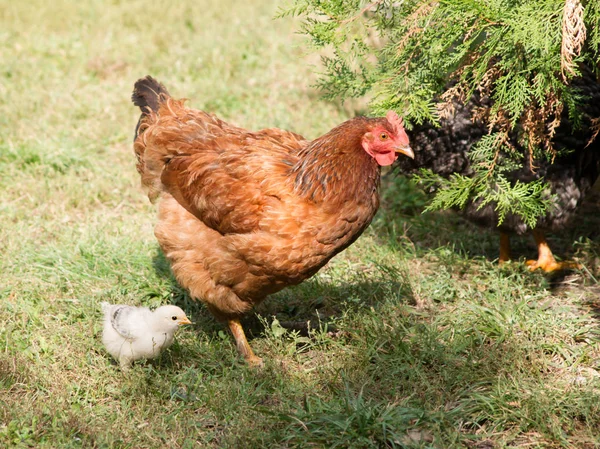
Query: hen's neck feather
(335, 167)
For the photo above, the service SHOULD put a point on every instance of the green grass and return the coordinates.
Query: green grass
(417, 338)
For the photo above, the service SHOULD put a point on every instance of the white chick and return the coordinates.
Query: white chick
(134, 333)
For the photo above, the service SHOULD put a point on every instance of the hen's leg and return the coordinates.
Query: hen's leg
(545, 259)
(504, 248)
(242, 345)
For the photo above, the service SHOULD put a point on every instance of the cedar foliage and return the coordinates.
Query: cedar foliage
(419, 56)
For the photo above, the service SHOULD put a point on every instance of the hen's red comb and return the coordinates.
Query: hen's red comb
(396, 122)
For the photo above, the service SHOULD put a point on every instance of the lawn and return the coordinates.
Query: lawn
(417, 338)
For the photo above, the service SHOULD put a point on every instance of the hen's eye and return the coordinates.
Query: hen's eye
(383, 136)
(174, 318)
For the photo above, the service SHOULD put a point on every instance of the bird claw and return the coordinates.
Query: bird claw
(549, 266)
(125, 367)
(255, 362)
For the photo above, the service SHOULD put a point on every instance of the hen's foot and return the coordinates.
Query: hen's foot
(242, 345)
(550, 265)
(546, 259)
(255, 361)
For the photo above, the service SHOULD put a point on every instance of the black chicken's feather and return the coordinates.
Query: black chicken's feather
(445, 150)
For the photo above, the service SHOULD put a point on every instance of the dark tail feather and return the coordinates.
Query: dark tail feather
(147, 94)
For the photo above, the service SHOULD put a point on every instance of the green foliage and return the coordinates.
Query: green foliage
(524, 199)
(412, 55)
(488, 185)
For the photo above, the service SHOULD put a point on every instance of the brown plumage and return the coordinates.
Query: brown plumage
(244, 214)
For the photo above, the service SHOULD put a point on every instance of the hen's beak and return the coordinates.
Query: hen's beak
(184, 321)
(406, 150)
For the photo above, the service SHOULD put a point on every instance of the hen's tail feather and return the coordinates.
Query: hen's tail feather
(148, 93)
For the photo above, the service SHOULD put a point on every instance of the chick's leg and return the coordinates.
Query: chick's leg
(504, 248)
(125, 363)
(242, 345)
(545, 259)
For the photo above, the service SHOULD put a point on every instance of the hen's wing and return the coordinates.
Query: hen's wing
(226, 176)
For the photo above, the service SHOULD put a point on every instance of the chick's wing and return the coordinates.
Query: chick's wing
(129, 321)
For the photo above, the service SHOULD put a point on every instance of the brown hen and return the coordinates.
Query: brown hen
(244, 214)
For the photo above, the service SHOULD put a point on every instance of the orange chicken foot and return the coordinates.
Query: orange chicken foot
(242, 345)
(545, 259)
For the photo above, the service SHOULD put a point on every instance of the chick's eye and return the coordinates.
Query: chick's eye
(174, 318)
(383, 136)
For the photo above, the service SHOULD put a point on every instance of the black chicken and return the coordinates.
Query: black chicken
(444, 150)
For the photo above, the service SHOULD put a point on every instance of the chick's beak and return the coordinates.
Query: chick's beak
(406, 150)
(184, 320)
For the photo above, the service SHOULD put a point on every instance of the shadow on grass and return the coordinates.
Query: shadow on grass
(401, 221)
(403, 205)
(300, 308)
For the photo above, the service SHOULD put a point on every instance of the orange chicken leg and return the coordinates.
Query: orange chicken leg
(242, 345)
(504, 248)
(545, 259)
